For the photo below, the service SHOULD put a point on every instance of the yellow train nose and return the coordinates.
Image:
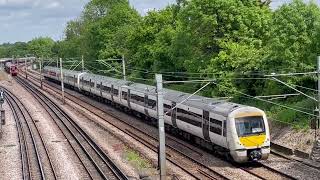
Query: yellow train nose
(252, 141)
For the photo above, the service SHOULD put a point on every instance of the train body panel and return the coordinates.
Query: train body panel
(241, 130)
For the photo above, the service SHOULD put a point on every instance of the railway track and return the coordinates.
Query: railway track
(36, 162)
(260, 170)
(312, 165)
(95, 161)
(202, 172)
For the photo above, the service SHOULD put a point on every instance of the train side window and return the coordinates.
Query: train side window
(216, 126)
(115, 92)
(189, 117)
(137, 99)
(106, 89)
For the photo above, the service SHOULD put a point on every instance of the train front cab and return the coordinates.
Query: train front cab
(250, 137)
(13, 70)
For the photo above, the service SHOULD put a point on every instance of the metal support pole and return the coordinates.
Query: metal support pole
(162, 143)
(82, 62)
(318, 70)
(62, 81)
(124, 68)
(41, 73)
(25, 68)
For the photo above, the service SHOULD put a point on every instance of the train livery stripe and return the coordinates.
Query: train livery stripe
(248, 114)
(253, 141)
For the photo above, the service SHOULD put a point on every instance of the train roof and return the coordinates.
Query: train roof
(210, 104)
(10, 64)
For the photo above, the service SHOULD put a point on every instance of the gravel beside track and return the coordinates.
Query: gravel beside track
(307, 162)
(97, 163)
(35, 159)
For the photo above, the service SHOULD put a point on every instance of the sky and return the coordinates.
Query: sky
(23, 20)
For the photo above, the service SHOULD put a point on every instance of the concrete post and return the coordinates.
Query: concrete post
(318, 70)
(124, 68)
(82, 62)
(26, 68)
(162, 144)
(62, 81)
(41, 73)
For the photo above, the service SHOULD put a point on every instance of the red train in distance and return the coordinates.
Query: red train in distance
(11, 68)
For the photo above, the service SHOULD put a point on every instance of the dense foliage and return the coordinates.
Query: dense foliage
(235, 42)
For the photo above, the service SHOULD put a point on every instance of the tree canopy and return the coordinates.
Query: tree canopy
(235, 42)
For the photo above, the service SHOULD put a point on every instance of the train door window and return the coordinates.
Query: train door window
(225, 128)
(166, 109)
(91, 83)
(216, 126)
(81, 81)
(124, 95)
(115, 92)
(152, 104)
(145, 100)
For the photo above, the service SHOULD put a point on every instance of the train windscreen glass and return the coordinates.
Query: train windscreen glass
(250, 125)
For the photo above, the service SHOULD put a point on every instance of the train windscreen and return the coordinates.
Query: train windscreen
(252, 125)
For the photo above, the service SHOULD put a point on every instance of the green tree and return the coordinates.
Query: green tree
(151, 43)
(223, 37)
(294, 43)
(41, 47)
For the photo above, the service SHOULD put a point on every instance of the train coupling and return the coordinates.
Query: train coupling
(255, 155)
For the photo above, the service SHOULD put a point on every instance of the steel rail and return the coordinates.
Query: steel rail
(18, 110)
(52, 114)
(26, 174)
(153, 148)
(21, 106)
(117, 173)
(58, 116)
(130, 134)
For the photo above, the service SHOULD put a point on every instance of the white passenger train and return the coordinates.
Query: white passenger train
(237, 130)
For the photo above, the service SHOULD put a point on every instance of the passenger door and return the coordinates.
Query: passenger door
(205, 125)
(174, 115)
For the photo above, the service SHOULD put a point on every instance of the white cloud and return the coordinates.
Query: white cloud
(22, 20)
(53, 5)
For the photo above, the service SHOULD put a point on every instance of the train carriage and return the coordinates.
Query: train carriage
(237, 130)
(11, 68)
